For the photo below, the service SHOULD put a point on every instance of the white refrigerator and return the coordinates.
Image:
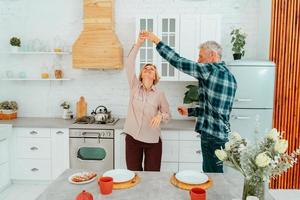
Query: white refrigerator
(252, 111)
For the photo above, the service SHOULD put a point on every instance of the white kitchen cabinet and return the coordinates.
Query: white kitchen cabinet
(33, 169)
(169, 166)
(197, 166)
(60, 151)
(5, 134)
(168, 31)
(4, 151)
(43, 153)
(194, 30)
(120, 151)
(35, 148)
(33, 132)
(190, 151)
(183, 33)
(5, 176)
(189, 41)
(189, 135)
(147, 50)
(181, 149)
(170, 151)
(210, 28)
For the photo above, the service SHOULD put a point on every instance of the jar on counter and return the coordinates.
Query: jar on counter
(45, 73)
(58, 73)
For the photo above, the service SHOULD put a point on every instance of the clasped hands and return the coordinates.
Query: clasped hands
(146, 35)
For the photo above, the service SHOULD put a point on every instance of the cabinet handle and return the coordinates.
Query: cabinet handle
(59, 133)
(240, 117)
(33, 132)
(243, 100)
(34, 148)
(34, 169)
(2, 139)
(198, 152)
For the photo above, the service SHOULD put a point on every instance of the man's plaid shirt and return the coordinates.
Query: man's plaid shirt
(217, 87)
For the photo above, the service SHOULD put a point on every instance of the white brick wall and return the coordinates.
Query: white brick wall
(47, 19)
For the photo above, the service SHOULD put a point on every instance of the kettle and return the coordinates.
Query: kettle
(101, 114)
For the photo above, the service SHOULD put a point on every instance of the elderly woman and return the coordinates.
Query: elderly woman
(147, 108)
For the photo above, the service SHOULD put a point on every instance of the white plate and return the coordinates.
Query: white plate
(191, 177)
(83, 182)
(120, 175)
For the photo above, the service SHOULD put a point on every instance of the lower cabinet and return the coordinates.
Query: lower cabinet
(31, 169)
(60, 160)
(40, 153)
(119, 150)
(180, 150)
(5, 133)
(5, 176)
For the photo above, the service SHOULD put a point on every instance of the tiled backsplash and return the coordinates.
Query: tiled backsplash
(45, 20)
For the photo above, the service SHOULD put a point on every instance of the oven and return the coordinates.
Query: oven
(92, 149)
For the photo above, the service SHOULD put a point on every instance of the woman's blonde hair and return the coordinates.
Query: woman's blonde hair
(157, 77)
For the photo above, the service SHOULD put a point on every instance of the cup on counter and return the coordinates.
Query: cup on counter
(105, 184)
(197, 194)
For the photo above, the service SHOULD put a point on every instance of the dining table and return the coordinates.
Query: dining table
(152, 186)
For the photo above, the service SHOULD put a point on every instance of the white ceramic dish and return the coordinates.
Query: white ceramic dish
(79, 183)
(120, 175)
(191, 177)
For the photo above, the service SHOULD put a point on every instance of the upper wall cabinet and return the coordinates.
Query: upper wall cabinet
(183, 33)
(146, 53)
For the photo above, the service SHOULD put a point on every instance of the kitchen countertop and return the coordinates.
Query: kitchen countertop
(37, 122)
(153, 185)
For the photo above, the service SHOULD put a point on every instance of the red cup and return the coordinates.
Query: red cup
(105, 185)
(197, 194)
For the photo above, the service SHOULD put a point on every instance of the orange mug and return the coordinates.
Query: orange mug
(197, 194)
(105, 185)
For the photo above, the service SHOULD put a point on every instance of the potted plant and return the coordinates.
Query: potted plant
(15, 44)
(8, 110)
(66, 112)
(191, 95)
(238, 40)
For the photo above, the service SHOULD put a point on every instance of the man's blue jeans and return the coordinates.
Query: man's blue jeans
(209, 143)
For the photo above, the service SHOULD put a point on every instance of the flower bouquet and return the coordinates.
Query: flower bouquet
(258, 162)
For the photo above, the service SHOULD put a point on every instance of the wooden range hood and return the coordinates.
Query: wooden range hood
(98, 47)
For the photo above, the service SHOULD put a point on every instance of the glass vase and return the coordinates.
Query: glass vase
(254, 187)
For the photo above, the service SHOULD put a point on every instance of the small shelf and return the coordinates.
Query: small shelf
(41, 53)
(36, 79)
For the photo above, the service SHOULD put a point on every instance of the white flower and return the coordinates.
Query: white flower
(273, 135)
(227, 146)
(262, 160)
(235, 136)
(281, 146)
(221, 154)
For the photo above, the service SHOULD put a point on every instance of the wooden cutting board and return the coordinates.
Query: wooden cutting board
(81, 108)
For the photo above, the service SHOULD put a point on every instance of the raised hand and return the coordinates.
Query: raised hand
(152, 37)
(141, 39)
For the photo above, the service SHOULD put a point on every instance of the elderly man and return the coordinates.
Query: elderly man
(217, 87)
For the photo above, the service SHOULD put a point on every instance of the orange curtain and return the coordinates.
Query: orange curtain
(285, 52)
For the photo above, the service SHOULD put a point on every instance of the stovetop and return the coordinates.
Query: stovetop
(91, 120)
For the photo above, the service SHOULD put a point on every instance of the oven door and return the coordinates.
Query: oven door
(91, 154)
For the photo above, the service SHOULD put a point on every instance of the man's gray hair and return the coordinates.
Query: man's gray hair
(212, 46)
